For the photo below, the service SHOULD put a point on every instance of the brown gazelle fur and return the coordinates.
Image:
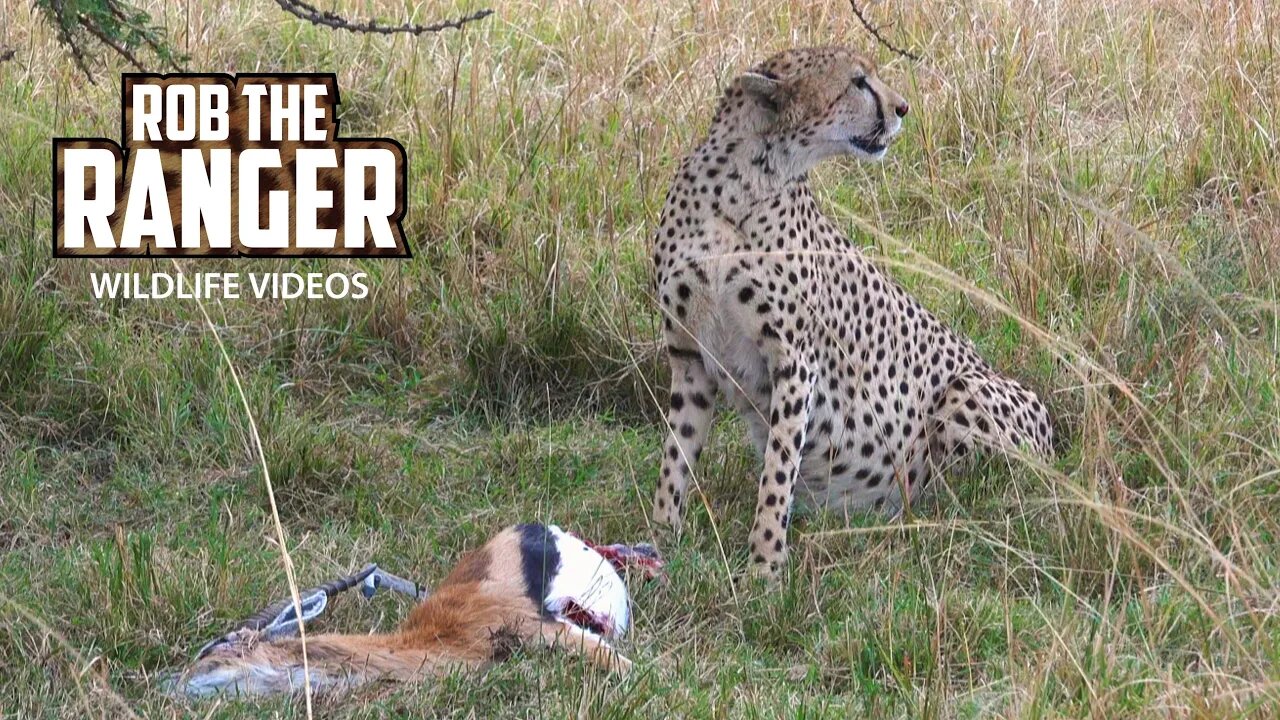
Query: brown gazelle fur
(477, 615)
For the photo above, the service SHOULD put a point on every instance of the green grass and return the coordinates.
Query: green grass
(1089, 190)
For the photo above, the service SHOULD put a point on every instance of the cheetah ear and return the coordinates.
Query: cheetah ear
(762, 86)
(766, 88)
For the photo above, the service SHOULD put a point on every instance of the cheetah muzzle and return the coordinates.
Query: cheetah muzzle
(854, 395)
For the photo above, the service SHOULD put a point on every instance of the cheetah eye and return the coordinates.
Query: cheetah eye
(860, 83)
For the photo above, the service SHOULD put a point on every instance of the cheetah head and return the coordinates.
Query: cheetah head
(817, 103)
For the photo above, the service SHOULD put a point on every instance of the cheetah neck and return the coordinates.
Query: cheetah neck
(733, 173)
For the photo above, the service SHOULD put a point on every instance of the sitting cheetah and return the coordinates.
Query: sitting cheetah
(853, 392)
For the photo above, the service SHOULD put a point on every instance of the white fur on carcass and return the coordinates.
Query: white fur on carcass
(588, 580)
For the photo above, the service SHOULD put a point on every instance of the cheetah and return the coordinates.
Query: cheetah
(853, 393)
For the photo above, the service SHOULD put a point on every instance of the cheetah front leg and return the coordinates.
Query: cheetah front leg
(689, 415)
(789, 408)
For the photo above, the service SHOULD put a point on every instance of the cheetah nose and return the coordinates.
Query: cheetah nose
(902, 109)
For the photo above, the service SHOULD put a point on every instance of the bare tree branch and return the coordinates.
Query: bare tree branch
(875, 33)
(314, 15)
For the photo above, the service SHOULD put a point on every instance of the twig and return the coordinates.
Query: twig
(160, 52)
(118, 47)
(65, 37)
(314, 15)
(875, 33)
(115, 24)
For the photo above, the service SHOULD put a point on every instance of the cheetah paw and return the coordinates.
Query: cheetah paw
(767, 572)
(669, 517)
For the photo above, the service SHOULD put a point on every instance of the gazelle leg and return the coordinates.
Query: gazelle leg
(570, 637)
